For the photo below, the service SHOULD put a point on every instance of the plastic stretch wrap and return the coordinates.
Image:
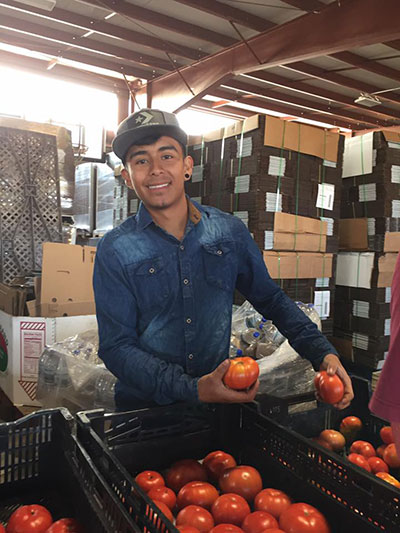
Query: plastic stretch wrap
(72, 375)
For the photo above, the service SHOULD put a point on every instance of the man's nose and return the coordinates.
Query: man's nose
(156, 167)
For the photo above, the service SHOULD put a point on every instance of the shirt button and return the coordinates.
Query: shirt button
(185, 281)
(181, 247)
(188, 320)
(219, 252)
(190, 356)
(151, 270)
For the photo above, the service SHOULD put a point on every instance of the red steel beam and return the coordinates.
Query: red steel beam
(394, 44)
(308, 105)
(52, 34)
(259, 102)
(106, 28)
(227, 110)
(62, 72)
(332, 30)
(338, 79)
(367, 64)
(137, 13)
(53, 49)
(228, 12)
(306, 5)
(281, 81)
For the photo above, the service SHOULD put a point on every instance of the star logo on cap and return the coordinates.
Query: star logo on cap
(144, 118)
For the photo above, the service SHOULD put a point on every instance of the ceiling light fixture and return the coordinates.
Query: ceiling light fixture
(367, 100)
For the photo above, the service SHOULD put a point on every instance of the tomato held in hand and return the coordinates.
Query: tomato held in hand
(364, 448)
(30, 519)
(197, 493)
(303, 518)
(216, 462)
(195, 516)
(330, 388)
(230, 509)
(390, 456)
(242, 373)
(360, 461)
(334, 438)
(65, 525)
(226, 528)
(386, 434)
(258, 521)
(242, 480)
(272, 501)
(350, 427)
(2, 529)
(163, 494)
(148, 479)
(377, 465)
(389, 479)
(184, 471)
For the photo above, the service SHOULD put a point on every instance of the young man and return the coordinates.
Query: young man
(164, 282)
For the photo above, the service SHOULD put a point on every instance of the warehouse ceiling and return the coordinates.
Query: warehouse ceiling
(301, 58)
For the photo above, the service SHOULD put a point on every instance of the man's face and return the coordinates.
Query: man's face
(157, 172)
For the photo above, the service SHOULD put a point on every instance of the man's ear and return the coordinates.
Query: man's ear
(126, 177)
(188, 165)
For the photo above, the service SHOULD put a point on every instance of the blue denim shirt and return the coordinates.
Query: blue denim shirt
(164, 307)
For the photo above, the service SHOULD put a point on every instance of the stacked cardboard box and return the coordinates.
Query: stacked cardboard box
(369, 237)
(283, 180)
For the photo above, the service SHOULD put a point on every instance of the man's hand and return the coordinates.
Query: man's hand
(211, 388)
(332, 365)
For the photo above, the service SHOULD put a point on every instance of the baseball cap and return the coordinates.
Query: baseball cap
(142, 124)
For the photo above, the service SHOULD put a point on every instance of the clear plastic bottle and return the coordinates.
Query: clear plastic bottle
(250, 350)
(234, 351)
(104, 391)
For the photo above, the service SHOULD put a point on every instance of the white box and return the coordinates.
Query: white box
(22, 340)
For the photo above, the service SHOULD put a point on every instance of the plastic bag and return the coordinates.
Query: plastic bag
(72, 375)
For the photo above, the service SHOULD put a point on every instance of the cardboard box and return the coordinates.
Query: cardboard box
(66, 284)
(22, 340)
(301, 138)
(237, 128)
(303, 265)
(392, 242)
(298, 233)
(353, 234)
(365, 269)
(12, 300)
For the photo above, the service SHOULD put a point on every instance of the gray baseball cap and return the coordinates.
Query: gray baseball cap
(142, 124)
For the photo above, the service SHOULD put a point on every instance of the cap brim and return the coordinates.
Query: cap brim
(123, 142)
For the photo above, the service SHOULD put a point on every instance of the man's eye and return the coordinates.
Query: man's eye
(140, 161)
(167, 156)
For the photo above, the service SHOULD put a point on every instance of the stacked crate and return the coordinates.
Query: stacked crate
(283, 180)
(370, 241)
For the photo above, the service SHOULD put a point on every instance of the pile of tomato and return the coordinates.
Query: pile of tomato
(37, 519)
(362, 453)
(218, 496)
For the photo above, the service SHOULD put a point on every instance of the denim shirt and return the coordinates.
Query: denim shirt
(164, 306)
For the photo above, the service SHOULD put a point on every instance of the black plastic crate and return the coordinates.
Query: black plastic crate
(41, 462)
(123, 444)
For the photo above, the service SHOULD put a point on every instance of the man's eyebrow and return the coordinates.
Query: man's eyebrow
(161, 149)
(169, 147)
(139, 152)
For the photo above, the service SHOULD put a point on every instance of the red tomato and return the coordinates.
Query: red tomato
(377, 465)
(187, 529)
(363, 448)
(330, 388)
(334, 438)
(323, 443)
(164, 509)
(242, 480)
(195, 516)
(303, 518)
(216, 462)
(163, 494)
(258, 521)
(230, 509)
(2, 529)
(184, 471)
(242, 373)
(197, 493)
(390, 456)
(386, 434)
(272, 501)
(148, 479)
(274, 531)
(65, 525)
(350, 427)
(360, 461)
(30, 519)
(380, 449)
(389, 479)
(226, 528)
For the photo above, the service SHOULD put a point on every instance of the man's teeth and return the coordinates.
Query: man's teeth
(158, 186)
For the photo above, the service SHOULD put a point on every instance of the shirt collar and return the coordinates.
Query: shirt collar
(143, 217)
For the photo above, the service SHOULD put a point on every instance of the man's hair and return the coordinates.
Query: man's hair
(151, 139)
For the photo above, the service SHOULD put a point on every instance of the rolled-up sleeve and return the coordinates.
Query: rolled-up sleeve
(255, 283)
(150, 378)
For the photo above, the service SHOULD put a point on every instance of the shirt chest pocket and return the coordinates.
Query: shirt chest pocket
(150, 281)
(219, 265)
